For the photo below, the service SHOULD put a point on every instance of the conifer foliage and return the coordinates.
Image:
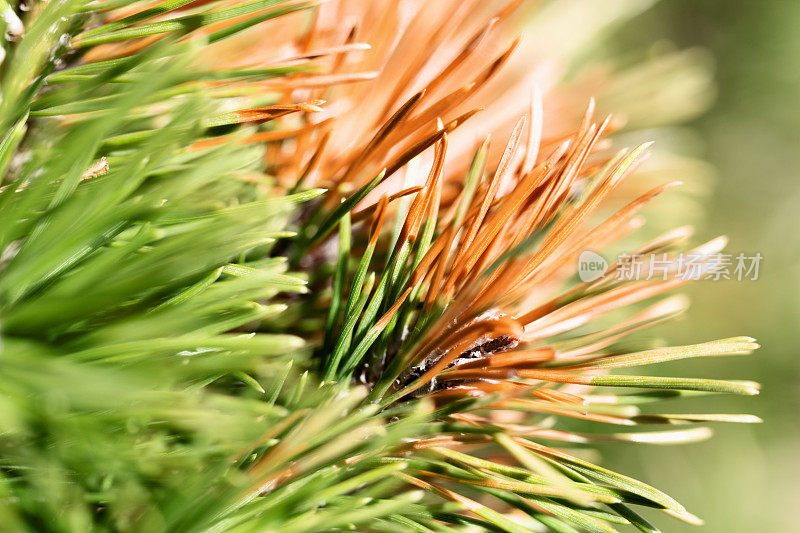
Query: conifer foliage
(262, 268)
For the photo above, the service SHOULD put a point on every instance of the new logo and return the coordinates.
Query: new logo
(591, 265)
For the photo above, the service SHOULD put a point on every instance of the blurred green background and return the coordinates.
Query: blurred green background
(747, 478)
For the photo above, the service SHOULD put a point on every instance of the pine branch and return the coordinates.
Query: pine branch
(164, 368)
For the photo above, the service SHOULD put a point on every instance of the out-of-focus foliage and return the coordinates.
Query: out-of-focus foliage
(750, 136)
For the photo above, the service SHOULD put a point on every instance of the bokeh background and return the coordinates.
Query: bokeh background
(747, 478)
